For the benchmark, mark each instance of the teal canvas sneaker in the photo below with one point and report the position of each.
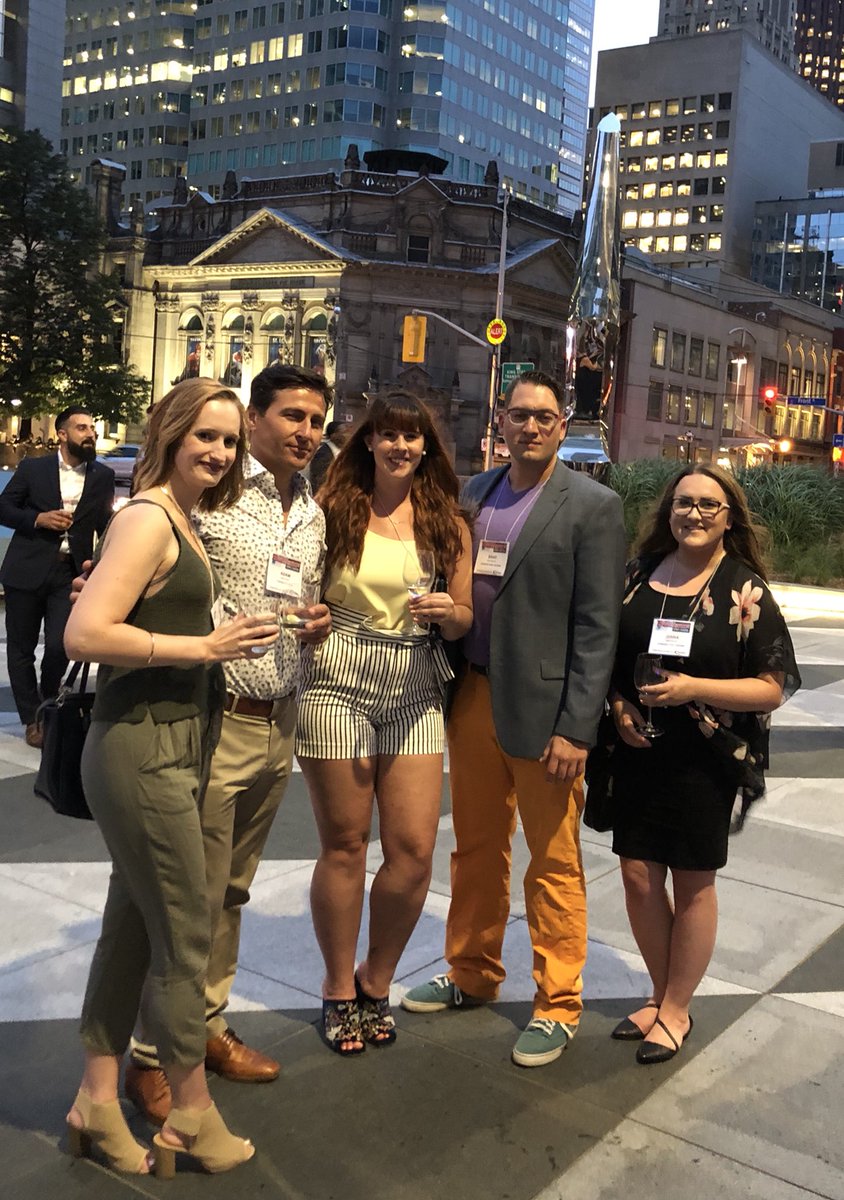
(437, 994)
(542, 1041)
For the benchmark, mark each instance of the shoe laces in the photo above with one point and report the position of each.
(443, 982)
(547, 1026)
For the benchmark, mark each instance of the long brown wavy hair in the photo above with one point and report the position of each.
(346, 495)
(172, 418)
(741, 540)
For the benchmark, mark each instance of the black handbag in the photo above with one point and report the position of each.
(599, 810)
(64, 725)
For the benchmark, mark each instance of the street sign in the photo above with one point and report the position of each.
(496, 332)
(511, 371)
(808, 401)
(838, 440)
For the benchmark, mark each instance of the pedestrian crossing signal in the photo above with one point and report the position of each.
(413, 339)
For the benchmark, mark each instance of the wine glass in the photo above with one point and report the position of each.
(648, 670)
(419, 571)
(264, 608)
(291, 608)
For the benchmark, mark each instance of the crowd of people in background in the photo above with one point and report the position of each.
(240, 615)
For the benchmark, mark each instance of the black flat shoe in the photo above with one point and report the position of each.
(650, 1053)
(629, 1031)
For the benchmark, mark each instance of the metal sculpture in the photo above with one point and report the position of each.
(593, 324)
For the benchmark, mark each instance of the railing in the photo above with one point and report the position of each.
(288, 186)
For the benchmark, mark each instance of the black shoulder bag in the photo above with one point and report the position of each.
(64, 722)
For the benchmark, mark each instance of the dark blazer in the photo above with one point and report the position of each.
(555, 618)
(34, 488)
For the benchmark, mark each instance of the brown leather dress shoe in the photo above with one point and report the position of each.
(227, 1055)
(149, 1091)
(34, 736)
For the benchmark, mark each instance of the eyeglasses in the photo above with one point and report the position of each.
(708, 509)
(545, 420)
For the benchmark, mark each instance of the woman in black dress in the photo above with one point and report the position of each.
(699, 562)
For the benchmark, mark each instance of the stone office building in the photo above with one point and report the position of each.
(322, 269)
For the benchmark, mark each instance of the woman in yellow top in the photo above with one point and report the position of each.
(370, 706)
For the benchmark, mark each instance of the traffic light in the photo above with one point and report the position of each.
(413, 339)
(768, 396)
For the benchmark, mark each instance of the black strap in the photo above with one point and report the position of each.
(72, 676)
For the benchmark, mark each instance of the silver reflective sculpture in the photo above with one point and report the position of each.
(592, 327)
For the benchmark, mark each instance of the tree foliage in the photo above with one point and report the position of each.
(57, 309)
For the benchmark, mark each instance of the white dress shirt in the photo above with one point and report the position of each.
(71, 485)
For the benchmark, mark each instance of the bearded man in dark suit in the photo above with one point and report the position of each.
(55, 504)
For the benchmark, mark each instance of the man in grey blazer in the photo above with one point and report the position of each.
(547, 586)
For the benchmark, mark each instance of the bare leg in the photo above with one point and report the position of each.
(651, 920)
(692, 943)
(341, 792)
(408, 789)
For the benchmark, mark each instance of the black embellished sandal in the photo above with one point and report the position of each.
(341, 1023)
(377, 1022)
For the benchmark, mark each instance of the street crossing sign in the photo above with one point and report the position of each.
(511, 371)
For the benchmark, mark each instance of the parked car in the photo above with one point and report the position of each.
(122, 460)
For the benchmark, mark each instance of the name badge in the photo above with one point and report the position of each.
(218, 613)
(284, 576)
(492, 558)
(671, 637)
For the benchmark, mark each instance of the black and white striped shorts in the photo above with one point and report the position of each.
(364, 693)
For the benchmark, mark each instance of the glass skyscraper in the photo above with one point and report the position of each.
(171, 87)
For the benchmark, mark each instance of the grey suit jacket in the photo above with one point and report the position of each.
(555, 618)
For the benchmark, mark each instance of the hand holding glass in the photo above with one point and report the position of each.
(648, 670)
(265, 609)
(291, 609)
(419, 571)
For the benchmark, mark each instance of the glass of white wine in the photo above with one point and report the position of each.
(419, 572)
(264, 608)
(291, 609)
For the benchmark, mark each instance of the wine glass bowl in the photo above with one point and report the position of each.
(419, 572)
(291, 608)
(648, 671)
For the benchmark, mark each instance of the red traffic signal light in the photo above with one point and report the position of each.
(769, 398)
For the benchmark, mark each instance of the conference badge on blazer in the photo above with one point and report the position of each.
(491, 558)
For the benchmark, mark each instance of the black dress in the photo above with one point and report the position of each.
(674, 801)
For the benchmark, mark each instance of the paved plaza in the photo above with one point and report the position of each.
(752, 1107)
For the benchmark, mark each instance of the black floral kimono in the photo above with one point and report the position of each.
(688, 781)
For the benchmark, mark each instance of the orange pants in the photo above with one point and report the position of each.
(487, 787)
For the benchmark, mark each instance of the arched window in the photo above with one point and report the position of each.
(190, 323)
(233, 324)
(274, 325)
(316, 343)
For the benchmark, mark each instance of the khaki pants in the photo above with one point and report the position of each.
(487, 788)
(142, 783)
(250, 771)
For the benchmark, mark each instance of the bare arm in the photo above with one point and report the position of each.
(760, 693)
(138, 548)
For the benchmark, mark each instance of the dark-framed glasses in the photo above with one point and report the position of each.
(708, 508)
(545, 419)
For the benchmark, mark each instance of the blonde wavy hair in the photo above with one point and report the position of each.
(172, 418)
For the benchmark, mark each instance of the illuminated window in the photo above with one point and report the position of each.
(653, 137)
(637, 111)
(221, 60)
(687, 159)
(652, 164)
(666, 189)
(704, 159)
(672, 108)
(655, 108)
(699, 214)
(684, 187)
(631, 192)
(716, 212)
(646, 244)
(669, 162)
(256, 52)
(663, 217)
(634, 165)
(648, 191)
(720, 158)
(646, 218)
(275, 47)
(713, 241)
(636, 137)
(680, 242)
(696, 242)
(681, 216)
(628, 220)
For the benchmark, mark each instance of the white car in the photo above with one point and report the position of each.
(122, 460)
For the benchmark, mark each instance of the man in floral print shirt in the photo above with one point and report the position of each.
(275, 517)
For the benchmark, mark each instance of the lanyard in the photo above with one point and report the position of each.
(523, 512)
(699, 595)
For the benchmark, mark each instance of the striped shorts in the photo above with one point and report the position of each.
(365, 693)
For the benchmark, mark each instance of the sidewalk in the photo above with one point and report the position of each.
(750, 1108)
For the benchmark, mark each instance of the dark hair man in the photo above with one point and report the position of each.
(55, 504)
(546, 594)
(336, 435)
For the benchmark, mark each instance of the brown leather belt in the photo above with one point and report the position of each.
(247, 707)
(478, 669)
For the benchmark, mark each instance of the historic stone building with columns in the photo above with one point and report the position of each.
(322, 269)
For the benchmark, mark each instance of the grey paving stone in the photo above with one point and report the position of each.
(821, 971)
(768, 1093)
(637, 1161)
(806, 753)
(787, 859)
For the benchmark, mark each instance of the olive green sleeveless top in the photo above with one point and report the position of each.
(182, 606)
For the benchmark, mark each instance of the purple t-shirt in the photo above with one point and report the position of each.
(501, 519)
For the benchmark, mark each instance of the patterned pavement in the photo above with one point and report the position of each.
(750, 1108)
